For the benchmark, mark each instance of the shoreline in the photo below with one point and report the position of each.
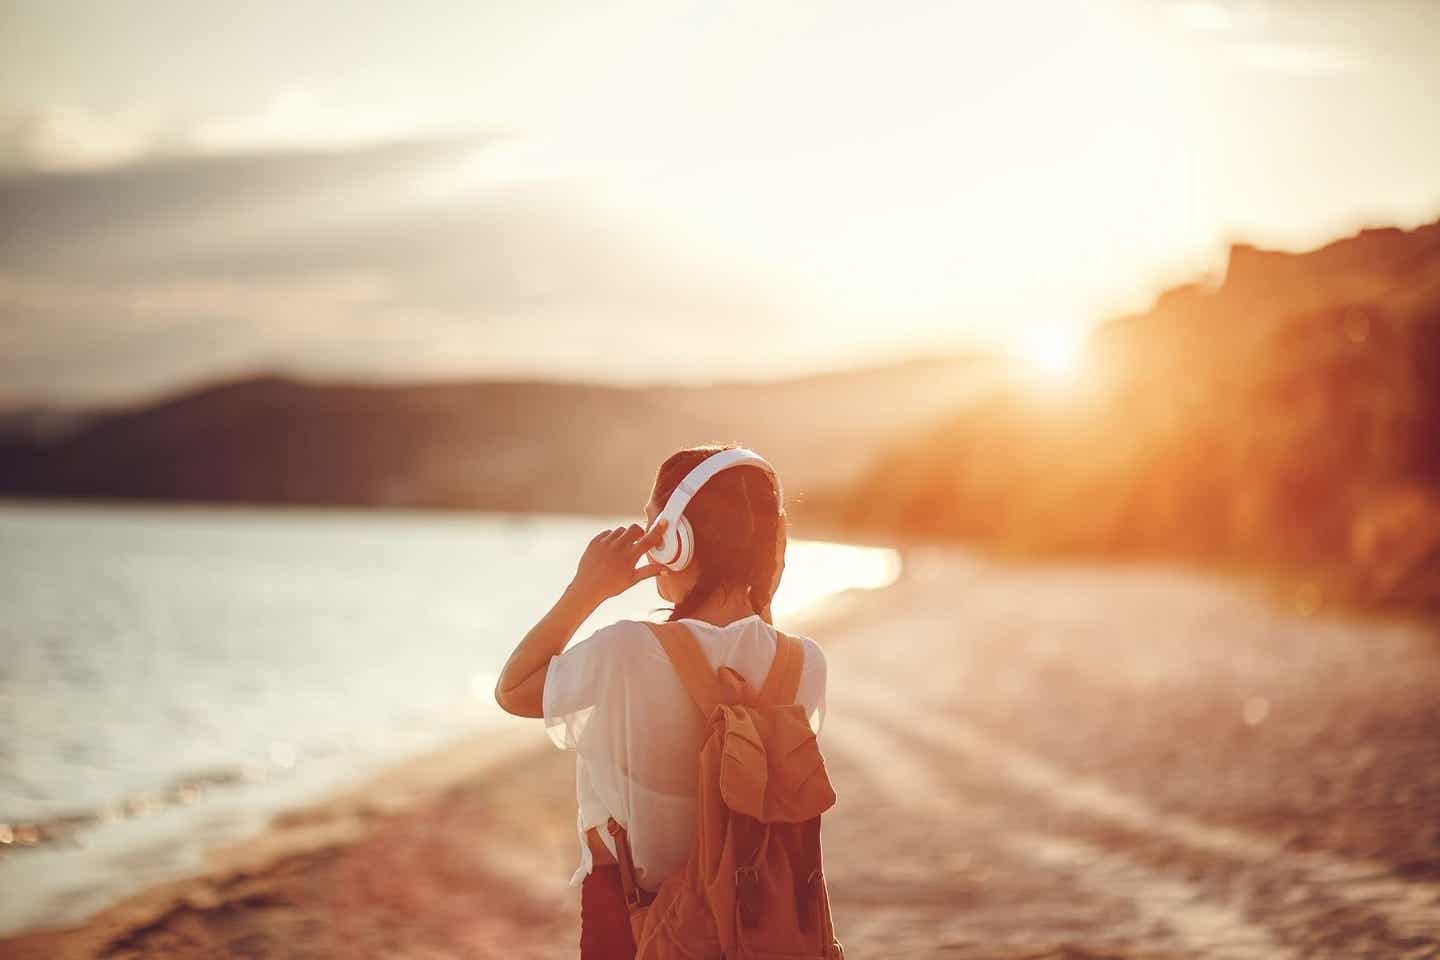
(344, 816)
(1074, 761)
(340, 817)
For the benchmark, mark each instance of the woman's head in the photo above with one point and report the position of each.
(739, 534)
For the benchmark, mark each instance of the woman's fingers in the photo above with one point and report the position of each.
(636, 538)
(645, 572)
(651, 538)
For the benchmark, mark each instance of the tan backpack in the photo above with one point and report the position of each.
(752, 886)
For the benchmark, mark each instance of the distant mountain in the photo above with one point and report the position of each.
(512, 445)
(1288, 416)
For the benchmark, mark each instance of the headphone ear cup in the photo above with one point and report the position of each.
(685, 534)
(673, 551)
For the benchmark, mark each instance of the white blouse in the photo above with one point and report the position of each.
(617, 702)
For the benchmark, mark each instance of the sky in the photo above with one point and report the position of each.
(650, 192)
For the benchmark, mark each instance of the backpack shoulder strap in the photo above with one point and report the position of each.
(783, 680)
(690, 662)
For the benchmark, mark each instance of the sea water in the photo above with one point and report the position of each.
(172, 676)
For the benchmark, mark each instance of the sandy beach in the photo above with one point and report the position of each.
(1065, 761)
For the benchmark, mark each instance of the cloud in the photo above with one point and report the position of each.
(428, 255)
(1300, 41)
(298, 119)
(1296, 60)
(62, 138)
(66, 139)
(143, 215)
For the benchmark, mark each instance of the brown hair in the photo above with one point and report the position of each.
(737, 524)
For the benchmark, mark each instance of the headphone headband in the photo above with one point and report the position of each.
(675, 549)
(711, 465)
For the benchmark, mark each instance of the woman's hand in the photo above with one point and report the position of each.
(607, 568)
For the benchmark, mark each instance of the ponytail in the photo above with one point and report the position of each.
(765, 512)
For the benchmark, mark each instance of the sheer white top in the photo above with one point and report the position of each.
(617, 702)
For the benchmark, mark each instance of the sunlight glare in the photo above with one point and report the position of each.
(814, 567)
(1056, 354)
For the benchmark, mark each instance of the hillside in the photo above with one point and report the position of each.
(1285, 418)
(1288, 417)
(511, 445)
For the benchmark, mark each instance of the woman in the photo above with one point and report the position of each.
(617, 702)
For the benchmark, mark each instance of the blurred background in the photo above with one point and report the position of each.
(1100, 341)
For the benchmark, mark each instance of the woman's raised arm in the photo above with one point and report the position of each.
(607, 568)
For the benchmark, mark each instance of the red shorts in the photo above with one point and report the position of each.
(604, 918)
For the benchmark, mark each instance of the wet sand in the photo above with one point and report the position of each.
(1061, 762)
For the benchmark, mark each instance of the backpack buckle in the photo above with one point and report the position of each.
(806, 899)
(747, 894)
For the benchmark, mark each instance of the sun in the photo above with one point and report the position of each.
(1056, 358)
(1054, 353)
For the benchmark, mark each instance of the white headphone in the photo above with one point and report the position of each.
(677, 546)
